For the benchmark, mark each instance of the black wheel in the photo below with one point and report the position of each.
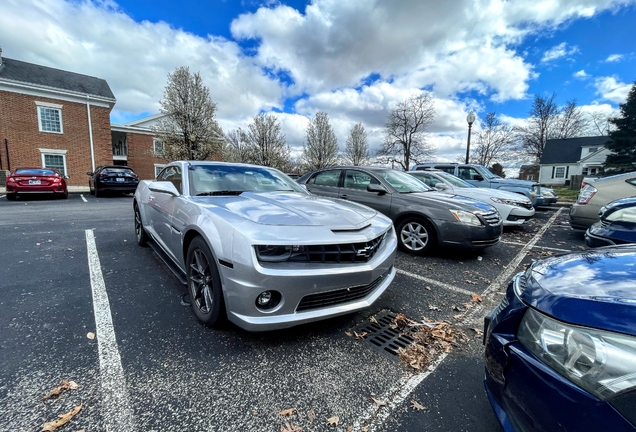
(204, 284)
(416, 235)
(140, 232)
(90, 189)
(95, 192)
(11, 196)
(64, 195)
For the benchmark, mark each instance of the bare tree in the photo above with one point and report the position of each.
(492, 141)
(266, 142)
(236, 147)
(405, 131)
(321, 148)
(189, 129)
(357, 147)
(599, 123)
(548, 121)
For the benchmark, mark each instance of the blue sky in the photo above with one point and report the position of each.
(352, 59)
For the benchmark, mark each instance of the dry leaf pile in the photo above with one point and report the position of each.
(62, 418)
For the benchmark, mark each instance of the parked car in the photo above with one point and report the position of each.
(480, 176)
(549, 196)
(112, 178)
(561, 346)
(617, 224)
(29, 180)
(514, 208)
(253, 245)
(424, 219)
(597, 193)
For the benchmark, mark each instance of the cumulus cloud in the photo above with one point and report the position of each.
(614, 58)
(609, 88)
(559, 51)
(580, 74)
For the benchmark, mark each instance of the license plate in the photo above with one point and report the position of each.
(35, 182)
(119, 179)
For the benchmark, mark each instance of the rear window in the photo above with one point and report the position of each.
(35, 171)
(126, 171)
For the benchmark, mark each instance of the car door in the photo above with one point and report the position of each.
(162, 206)
(325, 183)
(354, 189)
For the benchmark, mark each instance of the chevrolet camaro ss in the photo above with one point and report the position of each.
(254, 246)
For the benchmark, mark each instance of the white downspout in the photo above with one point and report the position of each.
(90, 133)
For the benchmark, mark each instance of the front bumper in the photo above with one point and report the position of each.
(296, 281)
(462, 235)
(526, 394)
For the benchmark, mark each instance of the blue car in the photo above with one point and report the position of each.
(617, 224)
(561, 346)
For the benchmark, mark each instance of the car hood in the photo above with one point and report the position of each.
(512, 182)
(292, 209)
(486, 194)
(594, 288)
(455, 201)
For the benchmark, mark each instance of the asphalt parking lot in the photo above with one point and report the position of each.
(71, 268)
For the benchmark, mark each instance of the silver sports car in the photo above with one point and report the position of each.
(254, 246)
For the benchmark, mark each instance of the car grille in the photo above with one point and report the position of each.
(491, 218)
(338, 253)
(346, 295)
(525, 205)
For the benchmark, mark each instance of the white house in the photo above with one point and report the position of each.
(563, 158)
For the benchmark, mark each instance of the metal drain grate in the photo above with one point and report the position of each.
(382, 338)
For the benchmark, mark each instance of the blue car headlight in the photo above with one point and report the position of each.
(601, 362)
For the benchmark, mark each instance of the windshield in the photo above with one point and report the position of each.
(404, 183)
(233, 179)
(488, 175)
(455, 181)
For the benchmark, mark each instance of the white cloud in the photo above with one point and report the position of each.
(580, 74)
(612, 90)
(614, 58)
(558, 51)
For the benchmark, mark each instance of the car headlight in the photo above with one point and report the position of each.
(466, 217)
(276, 253)
(601, 362)
(510, 202)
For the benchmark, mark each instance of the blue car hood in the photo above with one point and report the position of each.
(594, 288)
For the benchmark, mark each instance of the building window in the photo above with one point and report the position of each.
(592, 149)
(50, 117)
(158, 169)
(157, 147)
(530, 177)
(52, 158)
(559, 172)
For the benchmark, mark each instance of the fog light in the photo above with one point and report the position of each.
(264, 298)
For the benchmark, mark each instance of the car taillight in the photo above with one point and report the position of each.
(57, 180)
(586, 194)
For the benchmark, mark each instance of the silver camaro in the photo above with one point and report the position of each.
(255, 247)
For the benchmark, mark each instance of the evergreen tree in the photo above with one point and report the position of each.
(623, 138)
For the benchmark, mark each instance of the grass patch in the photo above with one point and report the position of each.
(566, 194)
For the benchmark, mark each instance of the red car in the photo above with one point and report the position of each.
(36, 180)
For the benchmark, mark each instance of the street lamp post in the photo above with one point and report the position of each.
(470, 119)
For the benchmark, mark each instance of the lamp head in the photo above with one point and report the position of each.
(471, 117)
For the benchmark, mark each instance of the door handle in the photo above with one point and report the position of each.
(343, 196)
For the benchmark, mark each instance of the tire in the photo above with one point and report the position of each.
(64, 195)
(90, 189)
(416, 236)
(95, 192)
(140, 232)
(204, 284)
(12, 196)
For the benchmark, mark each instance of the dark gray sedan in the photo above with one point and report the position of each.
(422, 217)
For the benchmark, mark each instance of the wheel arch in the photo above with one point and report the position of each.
(427, 218)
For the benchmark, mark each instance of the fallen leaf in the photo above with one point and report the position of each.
(349, 428)
(468, 281)
(90, 335)
(348, 333)
(458, 316)
(333, 421)
(476, 297)
(364, 429)
(287, 412)
(360, 335)
(73, 385)
(64, 385)
(378, 402)
(428, 288)
(373, 320)
(433, 307)
(311, 415)
(290, 427)
(416, 406)
(62, 420)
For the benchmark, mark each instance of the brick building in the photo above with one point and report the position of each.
(60, 119)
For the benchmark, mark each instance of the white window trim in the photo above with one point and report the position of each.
(50, 106)
(44, 152)
(556, 171)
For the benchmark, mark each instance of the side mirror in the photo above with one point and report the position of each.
(478, 178)
(379, 189)
(165, 187)
(441, 186)
(90, 173)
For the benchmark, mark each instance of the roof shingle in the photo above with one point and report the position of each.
(568, 151)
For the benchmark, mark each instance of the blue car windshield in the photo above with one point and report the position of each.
(230, 179)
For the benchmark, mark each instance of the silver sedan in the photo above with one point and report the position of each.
(255, 247)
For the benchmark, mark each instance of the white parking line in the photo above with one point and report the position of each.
(116, 411)
(83, 199)
(434, 282)
(2, 196)
(538, 247)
